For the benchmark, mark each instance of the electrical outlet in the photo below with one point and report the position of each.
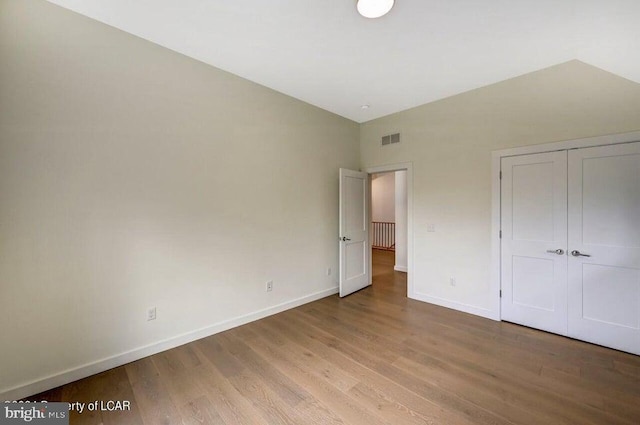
(151, 314)
(431, 227)
(452, 281)
(270, 286)
(328, 271)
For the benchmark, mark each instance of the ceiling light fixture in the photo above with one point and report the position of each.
(365, 106)
(374, 8)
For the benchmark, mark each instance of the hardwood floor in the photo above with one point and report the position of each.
(372, 358)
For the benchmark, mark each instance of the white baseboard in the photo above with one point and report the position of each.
(455, 305)
(400, 268)
(88, 369)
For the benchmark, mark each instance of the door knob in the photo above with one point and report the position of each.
(558, 251)
(577, 253)
(344, 239)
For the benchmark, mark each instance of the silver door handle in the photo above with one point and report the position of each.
(344, 239)
(558, 251)
(577, 253)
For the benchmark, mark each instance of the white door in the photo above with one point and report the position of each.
(604, 242)
(354, 231)
(534, 240)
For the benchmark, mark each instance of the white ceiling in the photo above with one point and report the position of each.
(323, 52)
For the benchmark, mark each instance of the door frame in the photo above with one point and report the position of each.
(496, 157)
(408, 167)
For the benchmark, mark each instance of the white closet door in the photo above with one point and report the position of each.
(534, 240)
(604, 224)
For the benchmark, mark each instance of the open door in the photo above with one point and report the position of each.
(354, 231)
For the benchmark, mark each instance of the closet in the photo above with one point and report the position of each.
(570, 245)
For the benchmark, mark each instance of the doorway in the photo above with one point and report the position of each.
(388, 234)
(391, 269)
(355, 259)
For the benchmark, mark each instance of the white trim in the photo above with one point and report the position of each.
(455, 305)
(70, 375)
(496, 156)
(589, 142)
(400, 269)
(408, 166)
(494, 284)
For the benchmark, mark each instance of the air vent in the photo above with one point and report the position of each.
(390, 139)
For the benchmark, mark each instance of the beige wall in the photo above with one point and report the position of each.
(401, 220)
(131, 177)
(383, 200)
(450, 144)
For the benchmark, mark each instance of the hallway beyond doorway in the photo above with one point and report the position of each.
(385, 278)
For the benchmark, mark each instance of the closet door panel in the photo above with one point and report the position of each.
(604, 245)
(534, 231)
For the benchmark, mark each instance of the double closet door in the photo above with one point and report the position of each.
(570, 251)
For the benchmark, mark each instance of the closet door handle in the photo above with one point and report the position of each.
(558, 251)
(577, 253)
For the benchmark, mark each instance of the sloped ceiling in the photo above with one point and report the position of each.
(324, 53)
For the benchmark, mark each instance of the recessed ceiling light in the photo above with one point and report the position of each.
(365, 107)
(374, 8)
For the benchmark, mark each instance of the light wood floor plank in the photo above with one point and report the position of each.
(373, 358)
